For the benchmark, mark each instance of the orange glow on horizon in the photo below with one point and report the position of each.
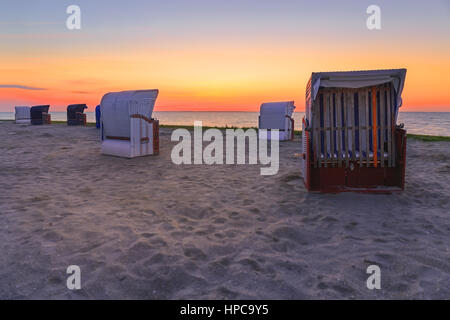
(211, 79)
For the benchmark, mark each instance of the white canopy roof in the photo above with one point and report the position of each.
(272, 115)
(116, 108)
(285, 108)
(359, 79)
(22, 108)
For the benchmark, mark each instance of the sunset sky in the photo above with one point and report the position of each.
(216, 55)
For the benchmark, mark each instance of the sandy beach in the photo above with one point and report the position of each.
(149, 229)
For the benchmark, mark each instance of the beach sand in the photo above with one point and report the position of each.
(146, 228)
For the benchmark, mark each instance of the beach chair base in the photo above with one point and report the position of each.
(137, 146)
(356, 178)
(79, 121)
(46, 119)
(282, 135)
(23, 121)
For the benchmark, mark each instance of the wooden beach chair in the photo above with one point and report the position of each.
(128, 129)
(40, 115)
(76, 115)
(22, 115)
(351, 140)
(277, 115)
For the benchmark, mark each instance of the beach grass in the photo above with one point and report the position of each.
(421, 137)
(427, 138)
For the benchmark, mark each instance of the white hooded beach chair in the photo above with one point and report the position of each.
(277, 115)
(127, 127)
(23, 115)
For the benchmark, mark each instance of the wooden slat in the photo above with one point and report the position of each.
(366, 107)
(345, 107)
(374, 127)
(319, 140)
(393, 104)
(315, 126)
(326, 98)
(389, 126)
(382, 106)
(339, 126)
(360, 113)
(353, 123)
(332, 130)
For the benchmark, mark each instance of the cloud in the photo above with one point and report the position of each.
(81, 92)
(17, 86)
(27, 24)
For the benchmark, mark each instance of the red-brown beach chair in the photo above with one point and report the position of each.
(351, 140)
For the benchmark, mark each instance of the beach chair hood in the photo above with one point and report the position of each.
(273, 114)
(38, 110)
(359, 79)
(74, 108)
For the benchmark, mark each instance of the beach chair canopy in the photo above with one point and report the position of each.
(22, 113)
(355, 80)
(73, 109)
(273, 114)
(117, 107)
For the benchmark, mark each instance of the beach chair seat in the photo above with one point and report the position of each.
(350, 136)
(22, 115)
(40, 115)
(76, 115)
(128, 130)
(277, 116)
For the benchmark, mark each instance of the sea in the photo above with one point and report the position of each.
(427, 123)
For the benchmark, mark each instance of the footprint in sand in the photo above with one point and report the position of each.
(195, 254)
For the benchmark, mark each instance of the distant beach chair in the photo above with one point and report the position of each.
(97, 116)
(76, 115)
(40, 115)
(128, 129)
(277, 115)
(23, 115)
(350, 138)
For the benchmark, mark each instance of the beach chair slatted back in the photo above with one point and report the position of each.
(354, 126)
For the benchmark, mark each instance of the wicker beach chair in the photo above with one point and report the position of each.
(128, 129)
(97, 116)
(22, 115)
(277, 115)
(40, 115)
(76, 115)
(351, 141)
